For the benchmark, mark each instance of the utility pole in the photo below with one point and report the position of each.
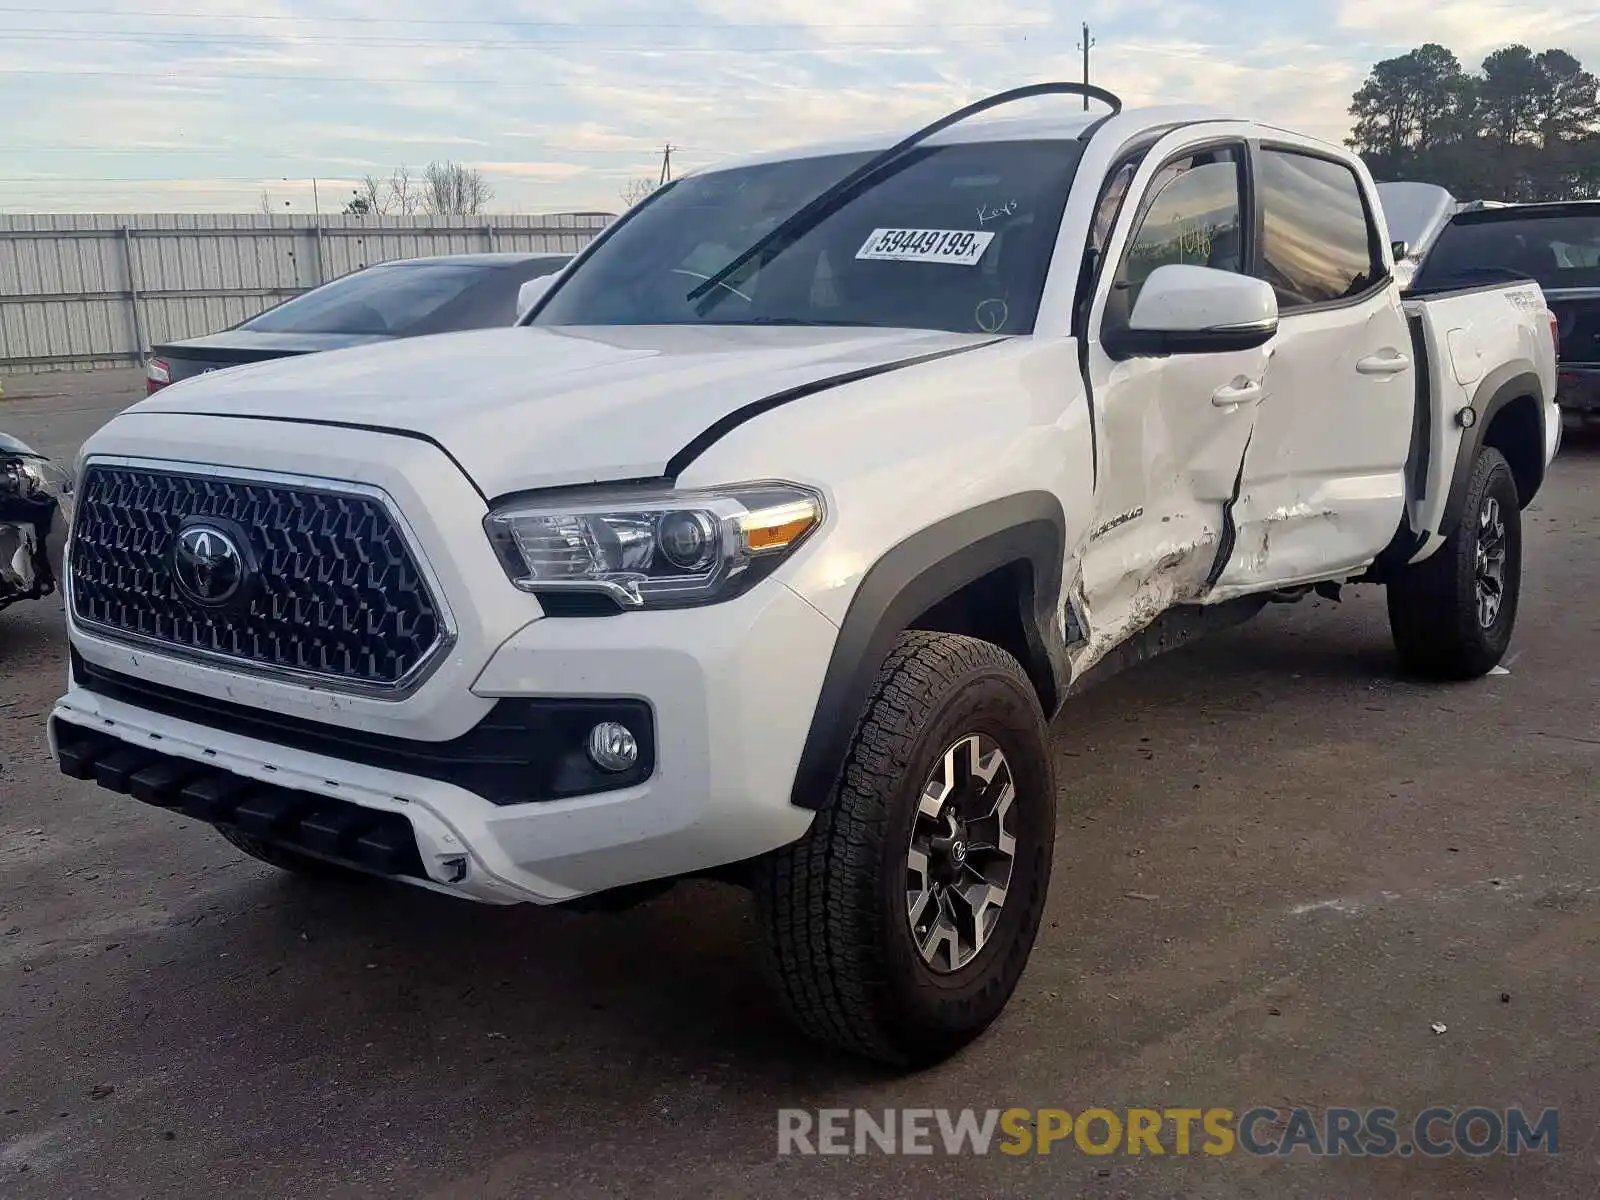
(666, 165)
(316, 205)
(1086, 45)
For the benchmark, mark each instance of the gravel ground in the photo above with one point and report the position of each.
(1278, 866)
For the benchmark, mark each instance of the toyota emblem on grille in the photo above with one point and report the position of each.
(207, 564)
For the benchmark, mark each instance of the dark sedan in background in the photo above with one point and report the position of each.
(406, 298)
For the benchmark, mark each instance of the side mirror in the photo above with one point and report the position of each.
(1200, 310)
(528, 294)
(1400, 250)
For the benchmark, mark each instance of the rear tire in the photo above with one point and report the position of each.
(292, 861)
(1453, 613)
(939, 835)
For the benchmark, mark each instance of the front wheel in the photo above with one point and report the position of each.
(898, 927)
(1452, 614)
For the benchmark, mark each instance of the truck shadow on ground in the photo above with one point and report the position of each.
(251, 1006)
(273, 974)
(32, 631)
(1580, 443)
(388, 975)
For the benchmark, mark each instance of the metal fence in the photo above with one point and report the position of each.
(78, 292)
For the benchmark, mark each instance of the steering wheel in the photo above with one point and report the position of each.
(723, 284)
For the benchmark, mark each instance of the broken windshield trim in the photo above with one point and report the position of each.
(715, 287)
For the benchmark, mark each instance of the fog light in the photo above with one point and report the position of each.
(612, 746)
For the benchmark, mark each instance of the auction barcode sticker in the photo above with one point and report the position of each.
(962, 247)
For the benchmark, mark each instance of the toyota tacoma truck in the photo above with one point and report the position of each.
(769, 542)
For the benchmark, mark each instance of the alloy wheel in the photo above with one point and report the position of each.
(961, 854)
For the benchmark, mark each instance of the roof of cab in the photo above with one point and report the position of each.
(986, 128)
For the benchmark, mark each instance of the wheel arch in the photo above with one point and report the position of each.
(993, 572)
(1517, 431)
(1507, 416)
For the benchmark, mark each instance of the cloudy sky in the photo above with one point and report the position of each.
(196, 105)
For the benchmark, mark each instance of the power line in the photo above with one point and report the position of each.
(491, 81)
(305, 79)
(231, 18)
(178, 81)
(338, 174)
(277, 177)
(224, 151)
(312, 76)
(190, 39)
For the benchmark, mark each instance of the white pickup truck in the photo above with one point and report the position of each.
(767, 546)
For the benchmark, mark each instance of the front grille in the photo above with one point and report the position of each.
(336, 593)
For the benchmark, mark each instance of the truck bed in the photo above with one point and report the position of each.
(1556, 245)
(1477, 347)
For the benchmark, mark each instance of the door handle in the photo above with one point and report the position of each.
(1240, 391)
(1391, 363)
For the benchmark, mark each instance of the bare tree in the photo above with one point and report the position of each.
(405, 194)
(375, 197)
(454, 189)
(265, 202)
(636, 189)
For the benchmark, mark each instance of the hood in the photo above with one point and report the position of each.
(234, 344)
(16, 446)
(1415, 212)
(530, 407)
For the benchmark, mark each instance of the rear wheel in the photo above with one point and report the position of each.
(898, 927)
(1453, 613)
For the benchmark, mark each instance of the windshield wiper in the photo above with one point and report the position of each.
(803, 219)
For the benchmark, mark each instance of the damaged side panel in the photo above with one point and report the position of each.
(1324, 483)
(1172, 462)
(1309, 540)
(1138, 594)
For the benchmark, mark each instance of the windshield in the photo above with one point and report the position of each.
(949, 237)
(1558, 249)
(391, 300)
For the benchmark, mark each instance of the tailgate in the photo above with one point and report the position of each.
(1578, 320)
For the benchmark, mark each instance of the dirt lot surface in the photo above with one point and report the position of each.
(1278, 866)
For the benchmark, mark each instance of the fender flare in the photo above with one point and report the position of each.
(927, 567)
(1498, 389)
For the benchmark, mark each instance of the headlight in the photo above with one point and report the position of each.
(653, 549)
(21, 477)
(35, 479)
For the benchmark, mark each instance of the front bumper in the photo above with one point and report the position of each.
(731, 687)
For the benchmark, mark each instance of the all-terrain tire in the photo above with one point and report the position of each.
(834, 908)
(1436, 610)
(285, 859)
